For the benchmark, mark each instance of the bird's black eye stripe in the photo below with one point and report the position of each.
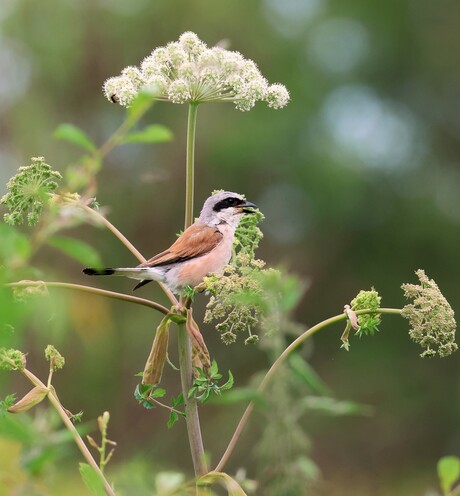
(228, 202)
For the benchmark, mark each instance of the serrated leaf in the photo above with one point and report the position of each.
(157, 393)
(178, 401)
(155, 133)
(229, 383)
(92, 480)
(76, 249)
(448, 472)
(214, 368)
(73, 134)
(232, 487)
(173, 418)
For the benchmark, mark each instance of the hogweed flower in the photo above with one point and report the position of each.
(430, 316)
(187, 71)
(29, 191)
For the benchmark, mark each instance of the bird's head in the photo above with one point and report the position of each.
(225, 207)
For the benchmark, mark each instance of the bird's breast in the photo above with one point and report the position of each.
(193, 271)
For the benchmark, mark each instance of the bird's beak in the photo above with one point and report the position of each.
(248, 207)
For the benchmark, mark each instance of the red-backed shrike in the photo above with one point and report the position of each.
(205, 247)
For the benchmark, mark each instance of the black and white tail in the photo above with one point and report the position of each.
(143, 274)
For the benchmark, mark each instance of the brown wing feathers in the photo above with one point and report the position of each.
(195, 241)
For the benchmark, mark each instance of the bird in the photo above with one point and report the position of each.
(203, 248)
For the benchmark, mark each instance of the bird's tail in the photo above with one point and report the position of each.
(143, 274)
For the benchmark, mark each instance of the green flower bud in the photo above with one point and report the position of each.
(53, 356)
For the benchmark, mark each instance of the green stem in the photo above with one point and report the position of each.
(190, 164)
(54, 400)
(263, 385)
(191, 410)
(96, 291)
(185, 349)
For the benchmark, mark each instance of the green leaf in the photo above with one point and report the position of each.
(229, 383)
(14, 245)
(178, 401)
(214, 368)
(307, 375)
(140, 105)
(154, 133)
(173, 418)
(448, 472)
(69, 132)
(239, 395)
(157, 393)
(79, 250)
(330, 406)
(92, 480)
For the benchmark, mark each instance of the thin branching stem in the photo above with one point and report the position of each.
(54, 400)
(96, 291)
(273, 369)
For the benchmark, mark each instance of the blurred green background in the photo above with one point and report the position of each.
(358, 178)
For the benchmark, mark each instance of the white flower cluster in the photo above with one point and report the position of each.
(188, 71)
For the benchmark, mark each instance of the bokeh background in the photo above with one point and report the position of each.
(359, 181)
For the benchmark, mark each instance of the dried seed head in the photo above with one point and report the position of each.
(430, 316)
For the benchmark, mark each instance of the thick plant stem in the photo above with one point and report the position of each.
(185, 349)
(54, 400)
(263, 385)
(191, 410)
(190, 164)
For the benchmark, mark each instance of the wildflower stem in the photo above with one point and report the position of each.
(190, 164)
(273, 369)
(191, 410)
(96, 291)
(54, 400)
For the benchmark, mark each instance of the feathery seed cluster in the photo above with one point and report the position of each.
(29, 190)
(188, 71)
(430, 316)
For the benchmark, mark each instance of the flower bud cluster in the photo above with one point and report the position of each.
(29, 190)
(187, 71)
(11, 359)
(430, 316)
(368, 322)
(236, 296)
(57, 361)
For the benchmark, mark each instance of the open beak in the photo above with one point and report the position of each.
(248, 207)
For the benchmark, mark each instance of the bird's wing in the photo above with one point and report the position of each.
(195, 241)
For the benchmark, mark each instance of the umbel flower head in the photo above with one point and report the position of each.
(188, 71)
(430, 316)
(29, 190)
